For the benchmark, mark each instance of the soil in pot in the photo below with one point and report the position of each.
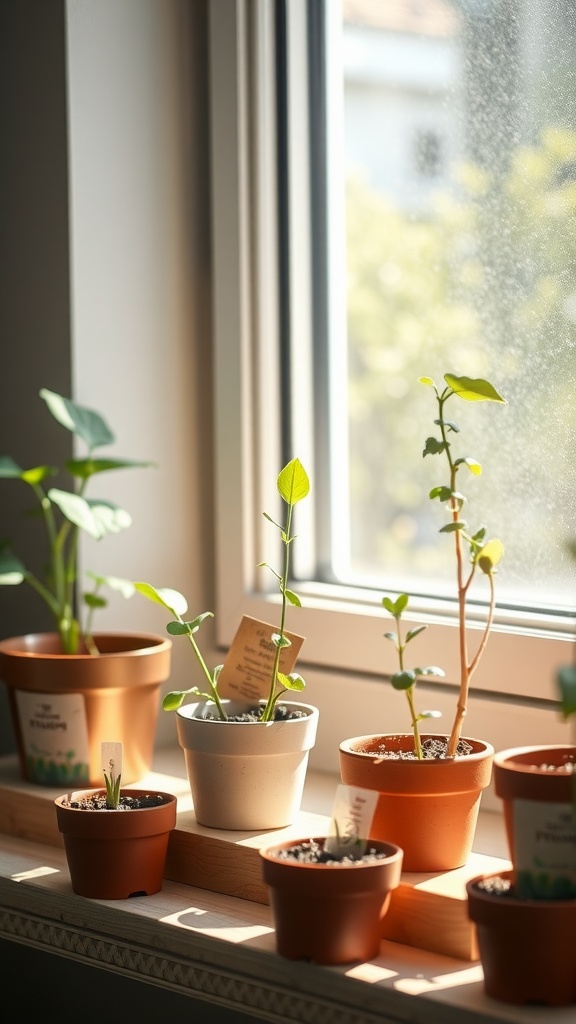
(428, 807)
(526, 945)
(325, 909)
(116, 854)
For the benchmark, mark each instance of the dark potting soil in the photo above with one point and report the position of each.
(433, 749)
(495, 886)
(311, 852)
(281, 714)
(97, 802)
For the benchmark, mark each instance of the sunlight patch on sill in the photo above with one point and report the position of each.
(456, 979)
(39, 872)
(371, 973)
(218, 925)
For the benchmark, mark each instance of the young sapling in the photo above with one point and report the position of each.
(405, 679)
(293, 485)
(483, 555)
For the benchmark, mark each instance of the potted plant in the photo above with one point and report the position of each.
(532, 907)
(69, 688)
(115, 842)
(246, 754)
(430, 786)
(329, 894)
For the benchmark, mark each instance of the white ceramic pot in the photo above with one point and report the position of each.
(246, 775)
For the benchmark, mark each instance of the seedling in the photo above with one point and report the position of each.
(112, 757)
(483, 555)
(64, 514)
(406, 678)
(293, 485)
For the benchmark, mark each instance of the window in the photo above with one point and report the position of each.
(275, 221)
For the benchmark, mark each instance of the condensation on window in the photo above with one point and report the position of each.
(461, 258)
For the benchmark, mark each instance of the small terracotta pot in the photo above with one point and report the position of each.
(246, 775)
(539, 817)
(526, 947)
(429, 808)
(64, 706)
(116, 854)
(330, 913)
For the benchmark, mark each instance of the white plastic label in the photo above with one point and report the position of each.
(55, 737)
(351, 821)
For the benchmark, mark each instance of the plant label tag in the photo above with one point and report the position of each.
(247, 669)
(111, 758)
(545, 849)
(54, 736)
(351, 822)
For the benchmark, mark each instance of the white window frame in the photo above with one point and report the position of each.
(343, 626)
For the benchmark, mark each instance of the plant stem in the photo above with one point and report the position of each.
(268, 713)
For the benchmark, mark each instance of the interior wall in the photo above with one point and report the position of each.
(105, 283)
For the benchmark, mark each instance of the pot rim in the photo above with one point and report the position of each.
(515, 901)
(269, 853)
(16, 646)
(186, 712)
(484, 748)
(506, 759)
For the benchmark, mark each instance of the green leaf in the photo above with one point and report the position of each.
(473, 389)
(414, 632)
(173, 600)
(95, 601)
(122, 586)
(489, 556)
(392, 636)
(85, 468)
(566, 679)
(183, 628)
(35, 475)
(293, 598)
(453, 527)
(293, 483)
(291, 682)
(83, 422)
(430, 670)
(472, 465)
(442, 492)
(172, 701)
(12, 571)
(428, 381)
(429, 714)
(9, 468)
(433, 446)
(96, 518)
(395, 608)
(403, 680)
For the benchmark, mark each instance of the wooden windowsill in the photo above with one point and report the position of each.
(221, 949)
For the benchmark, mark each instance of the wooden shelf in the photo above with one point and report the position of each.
(428, 911)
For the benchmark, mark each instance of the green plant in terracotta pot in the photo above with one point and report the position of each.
(68, 686)
(116, 841)
(451, 769)
(240, 714)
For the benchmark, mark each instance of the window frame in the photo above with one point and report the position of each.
(343, 626)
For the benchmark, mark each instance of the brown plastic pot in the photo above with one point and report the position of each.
(538, 804)
(64, 706)
(429, 808)
(330, 913)
(113, 855)
(527, 947)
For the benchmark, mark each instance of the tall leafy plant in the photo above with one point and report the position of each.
(474, 554)
(64, 513)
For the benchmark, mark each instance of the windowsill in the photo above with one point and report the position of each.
(221, 949)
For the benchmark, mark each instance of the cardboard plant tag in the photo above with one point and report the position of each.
(247, 669)
(351, 821)
(111, 758)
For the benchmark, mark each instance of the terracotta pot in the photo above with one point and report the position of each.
(539, 816)
(64, 706)
(330, 913)
(526, 947)
(116, 854)
(245, 775)
(429, 808)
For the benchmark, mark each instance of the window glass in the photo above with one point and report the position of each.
(457, 142)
